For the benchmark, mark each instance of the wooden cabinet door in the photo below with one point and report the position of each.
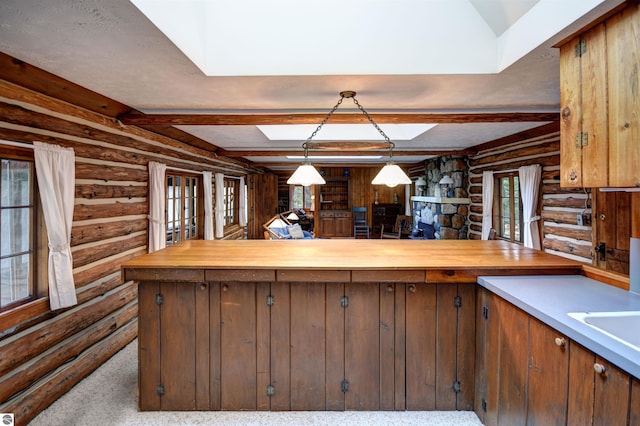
(611, 395)
(512, 369)
(487, 357)
(623, 62)
(362, 347)
(420, 346)
(548, 375)
(238, 357)
(583, 104)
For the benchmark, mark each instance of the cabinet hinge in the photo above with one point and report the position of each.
(270, 300)
(485, 312)
(456, 386)
(457, 301)
(582, 139)
(159, 299)
(344, 386)
(160, 390)
(270, 390)
(484, 405)
(344, 302)
(581, 48)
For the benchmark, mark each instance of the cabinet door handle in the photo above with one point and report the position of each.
(560, 342)
(599, 368)
(412, 288)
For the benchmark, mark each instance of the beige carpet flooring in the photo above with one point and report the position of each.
(109, 397)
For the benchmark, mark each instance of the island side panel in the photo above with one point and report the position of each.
(148, 346)
(281, 346)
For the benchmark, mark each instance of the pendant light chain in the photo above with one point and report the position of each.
(328, 116)
(373, 123)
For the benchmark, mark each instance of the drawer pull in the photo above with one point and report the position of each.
(412, 288)
(560, 342)
(599, 368)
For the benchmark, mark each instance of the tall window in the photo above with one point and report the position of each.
(231, 201)
(19, 218)
(184, 207)
(301, 197)
(508, 207)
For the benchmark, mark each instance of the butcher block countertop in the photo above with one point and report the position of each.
(468, 257)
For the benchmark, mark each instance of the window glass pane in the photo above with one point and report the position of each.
(16, 183)
(308, 201)
(16, 231)
(504, 187)
(298, 197)
(14, 279)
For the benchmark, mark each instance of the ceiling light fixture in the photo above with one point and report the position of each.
(391, 174)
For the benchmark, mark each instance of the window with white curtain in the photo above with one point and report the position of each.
(19, 223)
(184, 207)
(507, 207)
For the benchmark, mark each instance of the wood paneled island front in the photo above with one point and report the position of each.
(316, 324)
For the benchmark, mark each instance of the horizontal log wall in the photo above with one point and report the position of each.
(562, 235)
(45, 353)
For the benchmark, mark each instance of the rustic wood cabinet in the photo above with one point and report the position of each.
(334, 210)
(335, 224)
(600, 104)
(528, 373)
(305, 345)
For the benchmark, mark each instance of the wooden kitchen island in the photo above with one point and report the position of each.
(316, 324)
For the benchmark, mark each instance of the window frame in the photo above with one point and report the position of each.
(198, 217)
(38, 281)
(231, 202)
(497, 207)
(307, 197)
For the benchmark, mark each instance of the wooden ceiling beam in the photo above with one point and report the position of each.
(273, 153)
(137, 119)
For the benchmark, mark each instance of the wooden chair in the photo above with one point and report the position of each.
(402, 227)
(360, 225)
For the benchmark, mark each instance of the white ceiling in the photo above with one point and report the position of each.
(287, 56)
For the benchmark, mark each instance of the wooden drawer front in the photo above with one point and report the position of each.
(342, 214)
(327, 214)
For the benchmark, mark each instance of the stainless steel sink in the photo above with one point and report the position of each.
(623, 326)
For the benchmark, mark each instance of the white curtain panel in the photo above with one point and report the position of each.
(55, 169)
(487, 203)
(208, 205)
(530, 177)
(242, 219)
(157, 225)
(219, 205)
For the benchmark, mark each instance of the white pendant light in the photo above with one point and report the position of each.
(306, 175)
(390, 175)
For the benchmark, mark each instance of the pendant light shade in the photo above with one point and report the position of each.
(391, 175)
(306, 175)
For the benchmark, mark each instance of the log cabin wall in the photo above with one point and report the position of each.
(562, 235)
(45, 353)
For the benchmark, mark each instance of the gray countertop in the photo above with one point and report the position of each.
(550, 298)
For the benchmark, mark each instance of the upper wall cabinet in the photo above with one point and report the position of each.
(600, 104)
